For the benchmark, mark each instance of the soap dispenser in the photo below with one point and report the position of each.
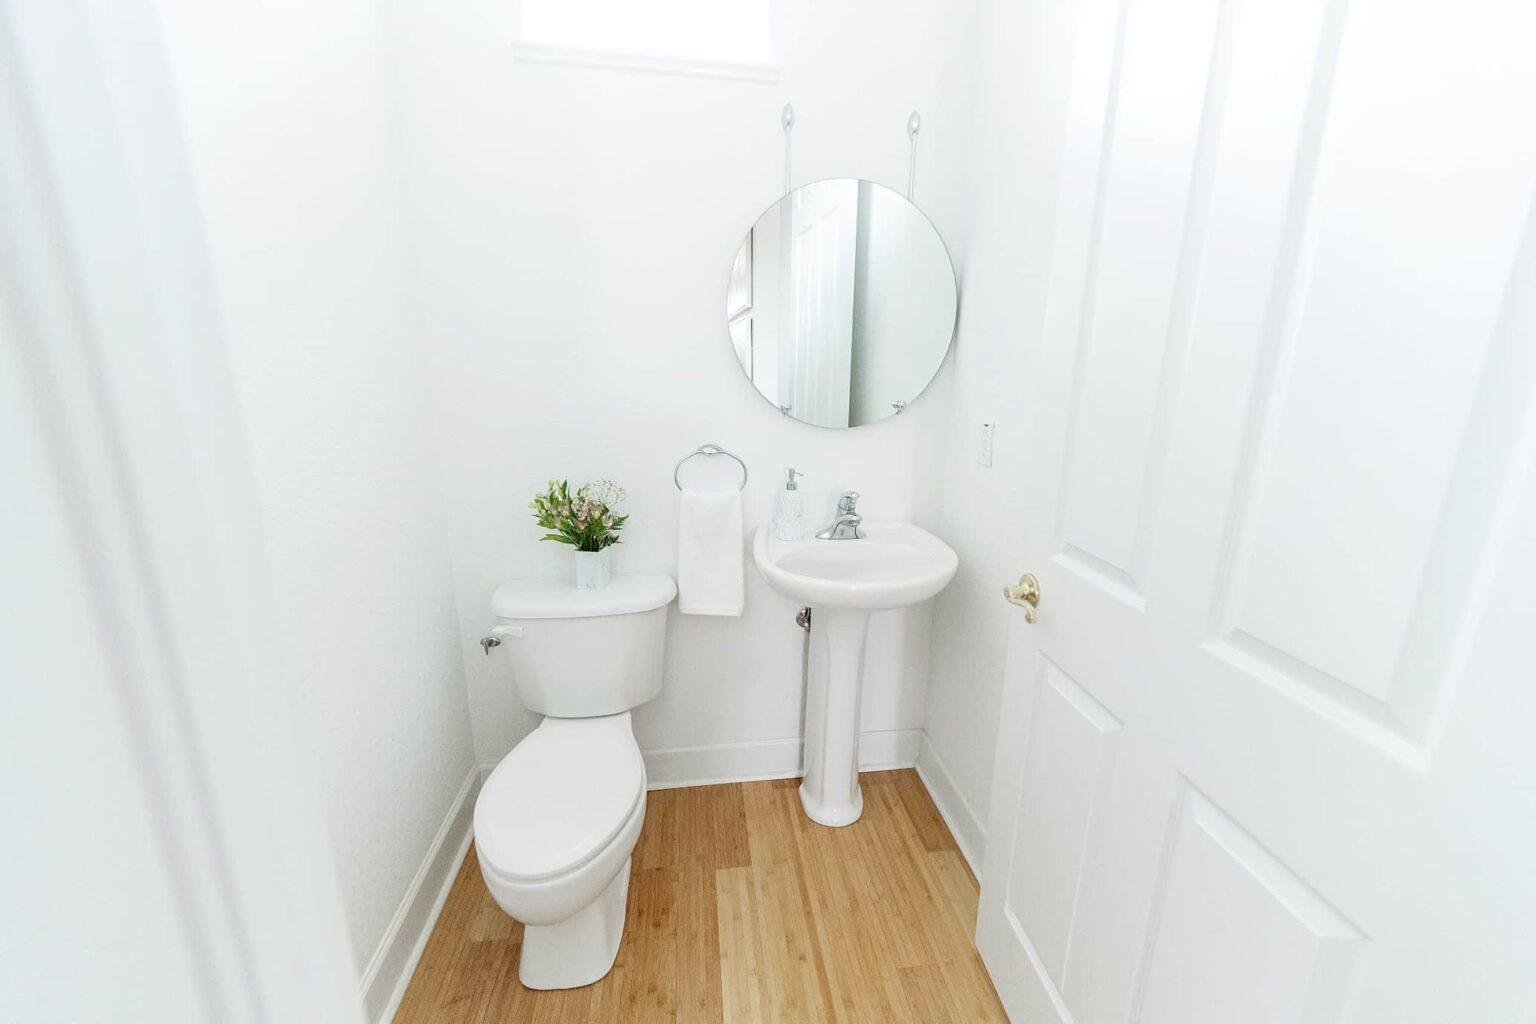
(788, 517)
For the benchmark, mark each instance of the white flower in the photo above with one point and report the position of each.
(605, 492)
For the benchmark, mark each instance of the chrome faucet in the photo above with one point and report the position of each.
(848, 524)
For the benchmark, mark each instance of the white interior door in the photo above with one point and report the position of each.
(1267, 755)
(165, 856)
(822, 249)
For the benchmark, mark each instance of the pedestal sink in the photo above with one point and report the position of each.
(895, 565)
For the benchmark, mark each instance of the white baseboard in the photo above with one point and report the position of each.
(755, 760)
(752, 761)
(767, 759)
(389, 972)
(968, 829)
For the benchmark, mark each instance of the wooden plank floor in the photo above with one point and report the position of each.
(741, 909)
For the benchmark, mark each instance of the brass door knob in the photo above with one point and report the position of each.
(1025, 593)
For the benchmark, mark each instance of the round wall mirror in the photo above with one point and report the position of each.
(841, 303)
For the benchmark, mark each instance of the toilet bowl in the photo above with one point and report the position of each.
(554, 827)
(557, 820)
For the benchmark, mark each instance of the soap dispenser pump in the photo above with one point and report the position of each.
(788, 518)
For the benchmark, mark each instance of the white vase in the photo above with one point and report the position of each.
(593, 569)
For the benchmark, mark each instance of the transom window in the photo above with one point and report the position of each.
(728, 31)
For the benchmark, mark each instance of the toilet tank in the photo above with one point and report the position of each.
(584, 653)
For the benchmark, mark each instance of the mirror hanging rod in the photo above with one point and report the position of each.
(914, 125)
(787, 121)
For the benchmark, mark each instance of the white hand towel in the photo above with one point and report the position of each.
(709, 553)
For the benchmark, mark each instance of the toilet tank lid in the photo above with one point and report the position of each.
(556, 597)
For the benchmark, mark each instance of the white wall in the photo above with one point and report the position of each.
(1020, 111)
(576, 228)
(285, 108)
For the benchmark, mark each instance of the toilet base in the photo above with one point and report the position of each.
(580, 949)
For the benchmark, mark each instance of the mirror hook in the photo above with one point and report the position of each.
(787, 122)
(914, 125)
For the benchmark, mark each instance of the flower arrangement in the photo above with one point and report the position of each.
(586, 520)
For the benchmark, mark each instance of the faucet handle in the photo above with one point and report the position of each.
(848, 502)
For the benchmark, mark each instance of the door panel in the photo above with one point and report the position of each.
(1377, 341)
(1069, 741)
(822, 272)
(1284, 417)
(1236, 936)
(1137, 226)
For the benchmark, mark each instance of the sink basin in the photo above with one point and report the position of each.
(842, 581)
(896, 565)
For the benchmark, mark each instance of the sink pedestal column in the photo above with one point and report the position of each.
(834, 675)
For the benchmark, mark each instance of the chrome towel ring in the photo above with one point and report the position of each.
(709, 449)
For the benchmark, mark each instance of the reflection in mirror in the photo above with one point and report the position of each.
(841, 303)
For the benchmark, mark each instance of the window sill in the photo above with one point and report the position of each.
(618, 60)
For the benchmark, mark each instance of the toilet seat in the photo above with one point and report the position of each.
(559, 798)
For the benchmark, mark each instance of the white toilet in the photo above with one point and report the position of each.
(557, 819)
